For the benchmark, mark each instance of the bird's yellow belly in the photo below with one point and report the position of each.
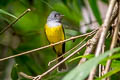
(55, 34)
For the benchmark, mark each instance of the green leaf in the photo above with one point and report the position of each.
(115, 63)
(109, 73)
(117, 55)
(95, 10)
(78, 57)
(81, 71)
(6, 13)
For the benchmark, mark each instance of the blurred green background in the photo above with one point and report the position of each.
(28, 33)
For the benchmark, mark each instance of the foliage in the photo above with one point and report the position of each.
(82, 71)
(28, 33)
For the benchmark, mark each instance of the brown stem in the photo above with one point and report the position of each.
(106, 26)
(93, 32)
(30, 51)
(67, 51)
(54, 67)
(91, 45)
(25, 75)
(113, 44)
(7, 27)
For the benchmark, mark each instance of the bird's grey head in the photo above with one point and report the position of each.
(55, 16)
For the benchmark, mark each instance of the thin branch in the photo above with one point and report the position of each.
(106, 27)
(100, 70)
(101, 67)
(72, 48)
(91, 45)
(54, 67)
(25, 75)
(30, 51)
(114, 14)
(113, 44)
(7, 27)
(67, 51)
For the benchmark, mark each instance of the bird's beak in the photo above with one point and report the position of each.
(61, 15)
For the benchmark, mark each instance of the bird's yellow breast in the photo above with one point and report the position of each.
(55, 34)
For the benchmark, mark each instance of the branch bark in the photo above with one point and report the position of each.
(37, 49)
(106, 26)
(6, 28)
(25, 75)
(69, 50)
(91, 45)
(54, 67)
(113, 43)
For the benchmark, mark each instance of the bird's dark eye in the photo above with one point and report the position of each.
(56, 15)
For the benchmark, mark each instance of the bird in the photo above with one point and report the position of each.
(54, 32)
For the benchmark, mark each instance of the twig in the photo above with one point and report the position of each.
(25, 75)
(30, 51)
(113, 43)
(100, 70)
(68, 51)
(106, 26)
(71, 49)
(101, 67)
(114, 14)
(91, 45)
(7, 27)
(54, 67)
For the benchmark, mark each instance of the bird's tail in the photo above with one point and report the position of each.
(62, 67)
